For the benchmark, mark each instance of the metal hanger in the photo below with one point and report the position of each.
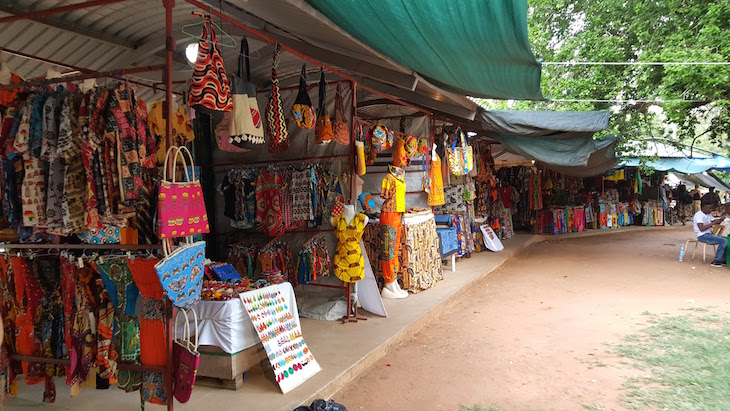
(219, 31)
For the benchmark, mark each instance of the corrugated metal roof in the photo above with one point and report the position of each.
(131, 34)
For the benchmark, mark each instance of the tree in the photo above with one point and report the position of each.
(637, 31)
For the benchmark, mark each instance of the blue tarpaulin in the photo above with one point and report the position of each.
(683, 165)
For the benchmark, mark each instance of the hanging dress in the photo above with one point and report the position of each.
(349, 262)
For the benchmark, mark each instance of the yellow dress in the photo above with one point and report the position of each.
(349, 263)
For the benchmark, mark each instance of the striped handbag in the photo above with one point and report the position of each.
(275, 118)
(210, 91)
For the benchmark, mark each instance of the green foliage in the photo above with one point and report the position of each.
(686, 363)
(643, 31)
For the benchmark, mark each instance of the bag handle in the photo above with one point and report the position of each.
(186, 334)
(241, 59)
(339, 104)
(322, 93)
(187, 337)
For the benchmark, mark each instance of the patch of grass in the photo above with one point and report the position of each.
(686, 359)
(594, 406)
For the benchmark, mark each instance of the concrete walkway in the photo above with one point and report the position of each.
(343, 350)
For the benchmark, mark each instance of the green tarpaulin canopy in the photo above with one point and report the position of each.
(475, 48)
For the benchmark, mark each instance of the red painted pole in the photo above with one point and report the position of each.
(56, 10)
(170, 49)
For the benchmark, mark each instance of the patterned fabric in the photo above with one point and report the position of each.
(33, 192)
(393, 191)
(83, 341)
(436, 191)
(535, 190)
(506, 222)
(453, 200)
(210, 88)
(268, 203)
(126, 326)
(301, 192)
(421, 258)
(348, 261)
(390, 238)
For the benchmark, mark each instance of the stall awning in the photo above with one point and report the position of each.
(556, 124)
(578, 157)
(475, 48)
(682, 165)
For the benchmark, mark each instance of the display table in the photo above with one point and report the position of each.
(229, 345)
(420, 259)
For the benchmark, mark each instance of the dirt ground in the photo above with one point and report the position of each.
(534, 334)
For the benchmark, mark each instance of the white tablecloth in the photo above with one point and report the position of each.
(226, 324)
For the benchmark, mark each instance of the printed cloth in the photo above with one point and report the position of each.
(421, 258)
(301, 193)
(33, 192)
(393, 191)
(453, 200)
(535, 190)
(123, 293)
(349, 262)
(391, 227)
(268, 203)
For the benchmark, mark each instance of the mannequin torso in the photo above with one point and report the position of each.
(349, 213)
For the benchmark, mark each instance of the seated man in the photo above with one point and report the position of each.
(703, 223)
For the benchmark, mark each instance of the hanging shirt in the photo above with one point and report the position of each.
(393, 191)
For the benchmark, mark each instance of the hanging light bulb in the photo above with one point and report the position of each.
(191, 52)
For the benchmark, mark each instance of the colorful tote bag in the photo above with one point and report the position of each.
(209, 90)
(180, 206)
(186, 358)
(340, 128)
(461, 159)
(181, 272)
(275, 119)
(323, 133)
(302, 112)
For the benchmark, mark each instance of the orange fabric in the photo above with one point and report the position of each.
(436, 193)
(145, 276)
(391, 225)
(7, 96)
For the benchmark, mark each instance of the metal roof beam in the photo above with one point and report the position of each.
(420, 100)
(56, 10)
(73, 29)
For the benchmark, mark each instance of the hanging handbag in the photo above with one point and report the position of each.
(302, 112)
(323, 133)
(340, 127)
(210, 91)
(275, 119)
(360, 161)
(461, 159)
(186, 358)
(180, 206)
(240, 115)
(254, 128)
(181, 272)
(246, 127)
(382, 139)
